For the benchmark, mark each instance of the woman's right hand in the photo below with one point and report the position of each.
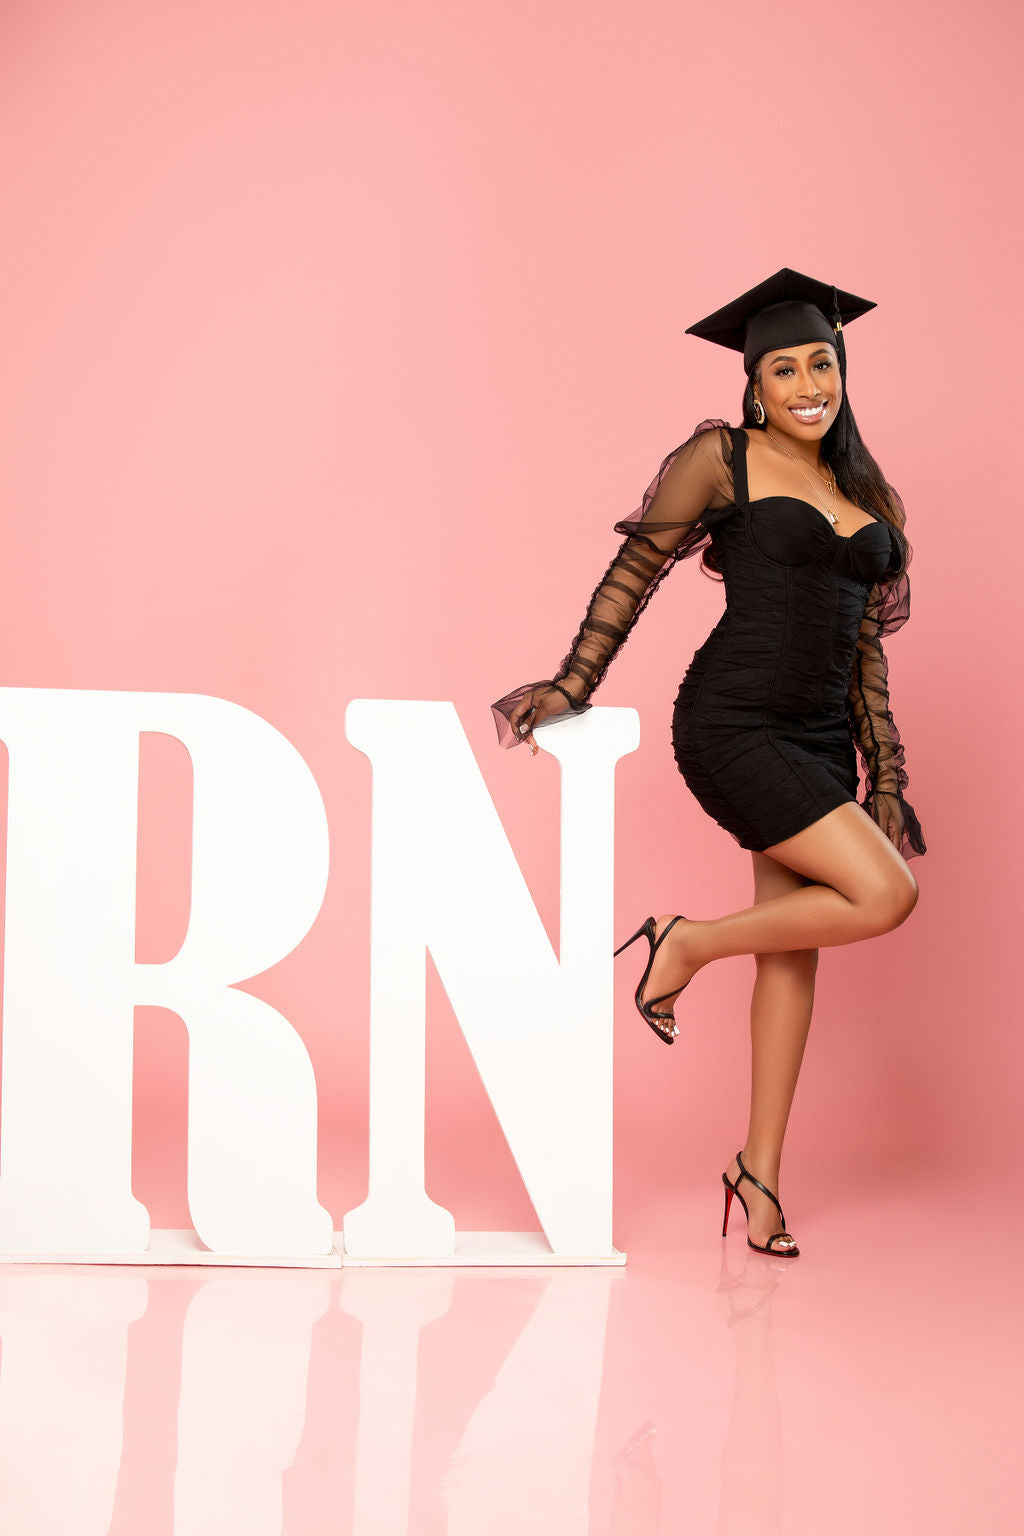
(540, 704)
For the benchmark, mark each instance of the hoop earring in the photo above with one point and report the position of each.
(759, 415)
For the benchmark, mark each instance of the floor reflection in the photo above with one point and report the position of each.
(499, 1407)
(63, 1338)
(242, 1407)
(684, 1394)
(534, 1430)
(752, 1457)
(637, 1497)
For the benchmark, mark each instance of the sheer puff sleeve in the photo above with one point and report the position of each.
(871, 722)
(673, 521)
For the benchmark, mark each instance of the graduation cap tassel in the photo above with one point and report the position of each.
(837, 325)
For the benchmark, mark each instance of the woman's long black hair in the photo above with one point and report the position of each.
(857, 473)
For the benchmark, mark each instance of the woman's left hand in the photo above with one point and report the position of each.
(889, 815)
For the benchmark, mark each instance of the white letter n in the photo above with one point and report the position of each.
(539, 1026)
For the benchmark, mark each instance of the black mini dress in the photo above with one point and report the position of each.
(792, 682)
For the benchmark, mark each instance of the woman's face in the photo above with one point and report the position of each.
(800, 389)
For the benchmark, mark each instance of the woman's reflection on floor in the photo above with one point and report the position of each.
(751, 1490)
(636, 1486)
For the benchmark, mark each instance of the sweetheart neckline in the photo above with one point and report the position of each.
(845, 538)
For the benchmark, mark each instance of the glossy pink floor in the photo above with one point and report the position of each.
(866, 1387)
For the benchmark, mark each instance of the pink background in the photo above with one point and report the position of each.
(335, 340)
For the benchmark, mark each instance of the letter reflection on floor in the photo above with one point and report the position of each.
(244, 1374)
(539, 1418)
(393, 1307)
(525, 1452)
(62, 1382)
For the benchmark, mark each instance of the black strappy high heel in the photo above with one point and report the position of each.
(733, 1189)
(647, 1009)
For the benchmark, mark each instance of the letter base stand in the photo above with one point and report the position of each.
(479, 1249)
(169, 1246)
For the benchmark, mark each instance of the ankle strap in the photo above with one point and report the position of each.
(662, 936)
(762, 1187)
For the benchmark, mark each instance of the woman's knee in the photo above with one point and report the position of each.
(894, 901)
(909, 891)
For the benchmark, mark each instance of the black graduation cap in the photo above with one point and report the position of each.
(786, 310)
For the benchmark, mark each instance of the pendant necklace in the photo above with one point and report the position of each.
(828, 480)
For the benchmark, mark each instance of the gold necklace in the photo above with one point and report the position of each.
(828, 481)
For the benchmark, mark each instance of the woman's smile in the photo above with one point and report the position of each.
(811, 414)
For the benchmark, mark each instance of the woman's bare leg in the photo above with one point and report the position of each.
(859, 885)
(853, 885)
(780, 1017)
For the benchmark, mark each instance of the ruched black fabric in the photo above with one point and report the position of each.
(792, 683)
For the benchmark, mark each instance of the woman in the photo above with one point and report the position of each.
(807, 534)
